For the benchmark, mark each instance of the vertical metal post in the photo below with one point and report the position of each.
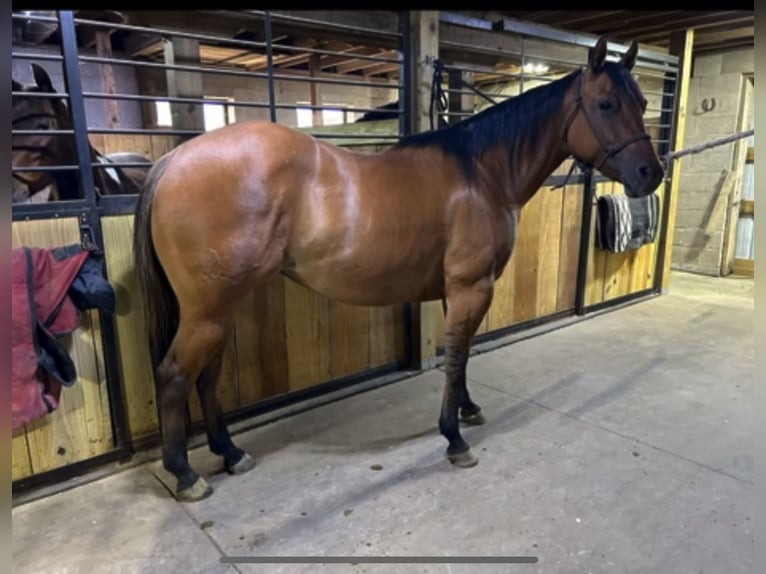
(270, 66)
(405, 75)
(406, 125)
(90, 222)
(669, 119)
(523, 64)
(585, 244)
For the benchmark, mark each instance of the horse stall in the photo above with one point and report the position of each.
(142, 78)
(137, 84)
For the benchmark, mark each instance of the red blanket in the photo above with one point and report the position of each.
(42, 311)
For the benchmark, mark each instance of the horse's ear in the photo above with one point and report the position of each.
(597, 55)
(42, 79)
(629, 58)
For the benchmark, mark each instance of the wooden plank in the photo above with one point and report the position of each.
(307, 320)
(569, 246)
(597, 258)
(349, 339)
(130, 328)
(681, 44)
(261, 340)
(424, 28)
(76, 430)
(386, 337)
(500, 313)
(744, 267)
(549, 254)
(526, 260)
(104, 50)
(21, 462)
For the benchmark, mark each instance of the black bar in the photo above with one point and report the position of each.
(585, 243)
(270, 404)
(33, 56)
(49, 210)
(406, 125)
(44, 168)
(71, 470)
(325, 24)
(79, 123)
(622, 300)
(232, 103)
(41, 132)
(270, 66)
(517, 328)
(669, 120)
(234, 72)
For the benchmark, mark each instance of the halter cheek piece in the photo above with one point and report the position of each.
(609, 151)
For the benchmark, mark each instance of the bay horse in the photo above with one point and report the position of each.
(433, 217)
(29, 151)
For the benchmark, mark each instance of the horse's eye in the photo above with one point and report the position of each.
(605, 105)
(42, 125)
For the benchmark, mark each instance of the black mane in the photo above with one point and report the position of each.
(517, 119)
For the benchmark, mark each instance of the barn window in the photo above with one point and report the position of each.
(215, 115)
(304, 117)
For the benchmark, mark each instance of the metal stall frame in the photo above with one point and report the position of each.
(91, 207)
(665, 66)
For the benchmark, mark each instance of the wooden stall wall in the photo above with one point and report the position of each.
(81, 426)
(541, 276)
(286, 338)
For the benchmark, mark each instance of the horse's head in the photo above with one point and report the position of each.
(606, 127)
(39, 113)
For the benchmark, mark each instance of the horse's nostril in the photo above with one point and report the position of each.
(644, 171)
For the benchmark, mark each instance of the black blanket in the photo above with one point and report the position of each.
(624, 223)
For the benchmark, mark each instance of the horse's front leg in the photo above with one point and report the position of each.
(465, 309)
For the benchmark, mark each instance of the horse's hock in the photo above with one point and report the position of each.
(129, 95)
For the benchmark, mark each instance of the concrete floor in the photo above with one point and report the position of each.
(619, 444)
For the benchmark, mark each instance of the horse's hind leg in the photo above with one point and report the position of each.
(470, 412)
(235, 460)
(466, 306)
(198, 341)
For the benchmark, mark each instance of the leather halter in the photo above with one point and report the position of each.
(609, 151)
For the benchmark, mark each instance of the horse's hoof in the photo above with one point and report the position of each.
(475, 419)
(197, 491)
(464, 460)
(244, 464)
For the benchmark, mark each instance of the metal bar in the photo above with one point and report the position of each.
(44, 168)
(233, 72)
(326, 24)
(585, 243)
(270, 67)
(33, 56)
(224, 40)
(406, 127)
(41, 132)
(138, 131)
(517, 328)
(117, 411)
(479, 70)
(621, 301)
(232, 103)
(669, 101)
(50, 210)
(356, 136)
(34, 18)
(45, 95)
(24, 485)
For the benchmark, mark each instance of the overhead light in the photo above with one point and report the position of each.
(531, 68)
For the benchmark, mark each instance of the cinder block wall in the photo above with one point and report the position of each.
(720, 77)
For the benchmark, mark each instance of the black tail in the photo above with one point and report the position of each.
(160, 303)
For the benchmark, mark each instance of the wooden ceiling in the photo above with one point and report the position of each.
(713, 29)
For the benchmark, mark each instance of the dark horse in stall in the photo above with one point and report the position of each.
(29, 151)
(433, 217)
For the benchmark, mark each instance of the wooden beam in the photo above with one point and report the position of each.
(424, 48)
(184, 51)
(104, 50)
(681, 45)
(356, 65)
(314, 71)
